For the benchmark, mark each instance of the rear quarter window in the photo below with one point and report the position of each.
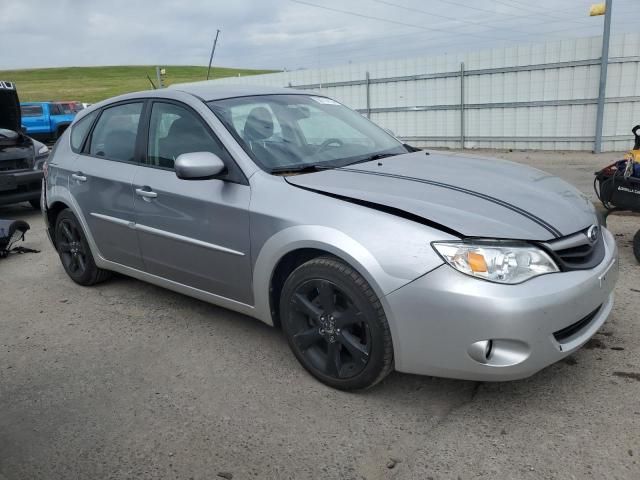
(31, 110)
(114, 136)
(79, 131)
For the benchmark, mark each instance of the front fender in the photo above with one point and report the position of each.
(318, 237)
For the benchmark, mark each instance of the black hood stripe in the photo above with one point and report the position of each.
(385, 209)
(550, 228)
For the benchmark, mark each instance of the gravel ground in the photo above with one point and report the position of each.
(126, 380)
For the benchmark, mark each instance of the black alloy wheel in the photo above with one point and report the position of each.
(335, 325)
(74, 251)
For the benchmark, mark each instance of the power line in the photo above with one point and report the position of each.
(353, 55)
(494, 13)
(370, 17)
(539, 12)
(411, 9)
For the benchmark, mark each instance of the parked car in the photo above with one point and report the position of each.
(291, 208)
(21, 157)
(71, 106)
(46, 121)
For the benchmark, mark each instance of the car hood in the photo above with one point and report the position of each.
(10, 116)
(469, 195)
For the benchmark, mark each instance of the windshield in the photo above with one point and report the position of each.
(299, 131)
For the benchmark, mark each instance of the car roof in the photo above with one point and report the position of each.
(208, 90)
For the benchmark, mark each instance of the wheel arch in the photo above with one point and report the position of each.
(292, 247)
(285, 266)
(52, 215)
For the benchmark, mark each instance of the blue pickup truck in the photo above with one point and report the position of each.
(46, 120)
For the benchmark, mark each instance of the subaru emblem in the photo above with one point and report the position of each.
(592, 233)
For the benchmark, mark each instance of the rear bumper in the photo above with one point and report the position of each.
(20, 186)
(439, 318)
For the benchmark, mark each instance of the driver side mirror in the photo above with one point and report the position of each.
(198, 166)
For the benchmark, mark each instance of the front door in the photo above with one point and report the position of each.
(194, 232)
(101, 182)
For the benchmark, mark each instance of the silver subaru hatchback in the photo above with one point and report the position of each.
(369, 254)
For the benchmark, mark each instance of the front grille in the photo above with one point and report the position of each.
(566, 333)
(17, 164)
(576, 252)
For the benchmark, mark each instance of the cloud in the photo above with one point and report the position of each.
(278, 33)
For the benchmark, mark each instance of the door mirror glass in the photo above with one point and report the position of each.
(198, 166)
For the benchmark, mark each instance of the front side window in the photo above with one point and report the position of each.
(114, 136)
(175, 130)
(296, 131)
(80, 129)
(31, 110)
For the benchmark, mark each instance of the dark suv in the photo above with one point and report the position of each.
(21, 157)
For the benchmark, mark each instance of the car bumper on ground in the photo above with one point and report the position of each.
(451, 325)
(18, 187)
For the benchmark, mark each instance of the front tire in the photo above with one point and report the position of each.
(636, 245)
(74, 251)
(335, 325)
(35, 203)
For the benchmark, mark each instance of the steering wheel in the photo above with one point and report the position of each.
(329, 141)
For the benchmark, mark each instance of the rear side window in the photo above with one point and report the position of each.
(114, 136)
(79, 131)
(31, 110)
(56, 109)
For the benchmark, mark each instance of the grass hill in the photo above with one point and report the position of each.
(92, 84)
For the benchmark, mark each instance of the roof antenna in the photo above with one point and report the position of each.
(213, 50)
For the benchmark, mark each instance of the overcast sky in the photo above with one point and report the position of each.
(281, 33)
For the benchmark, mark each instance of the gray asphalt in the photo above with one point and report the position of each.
(127, 380)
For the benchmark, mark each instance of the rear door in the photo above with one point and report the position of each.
(101, 182)
(194, 232)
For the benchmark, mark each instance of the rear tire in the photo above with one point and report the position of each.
(74, 251)
(335, 325)
(636, 245)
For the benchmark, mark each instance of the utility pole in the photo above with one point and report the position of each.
(213, 50)
(604, 64)
(462, 105)
(159, 77)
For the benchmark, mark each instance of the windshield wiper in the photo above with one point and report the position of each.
(376, 156)
(299, 168)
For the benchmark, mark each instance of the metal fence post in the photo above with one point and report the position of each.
(604, 64)
(462, 105)
(368, 90)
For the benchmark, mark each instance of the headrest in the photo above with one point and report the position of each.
(259, 125)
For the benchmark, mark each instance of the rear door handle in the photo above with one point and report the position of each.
(79, 177)
(143, 192)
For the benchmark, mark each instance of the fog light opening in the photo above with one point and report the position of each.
(488, 349)
(499, 352)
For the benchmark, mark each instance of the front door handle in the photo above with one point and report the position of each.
(79, 177)
(143, 192)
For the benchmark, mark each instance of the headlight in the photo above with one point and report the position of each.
(497, 261)
(43, 150)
